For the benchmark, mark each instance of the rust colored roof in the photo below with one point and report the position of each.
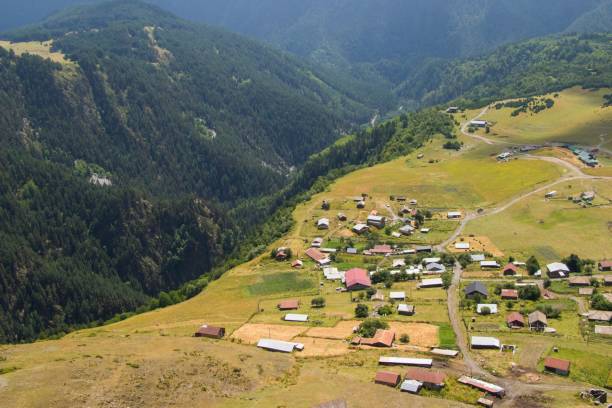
(511, 293)
(557, 364)
(510, 267)
(515, 317)
(381, 249)
(289, 304)
(210, 331)
(425, 376)
(315, 254)
(357, 276)
(386, 377)
(605, 264)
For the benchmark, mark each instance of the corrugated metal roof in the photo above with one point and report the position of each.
(279, 345)
(294, 317)
(405, 308)
(411, 386)
(419, 362)
(489, 264)
(477, 257)
(431, 282)
(445, 352)
(482, 385)
(397, 295)
(485, 341)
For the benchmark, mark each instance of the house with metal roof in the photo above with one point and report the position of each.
(397, 295)
(509, 294)
(478, 123)
(537, 321)
(433, 380)
(453, 215)
(515, 320)
(279, 345)
(444, 352)
(382, 338)
(435, 267)
(489, 264)
(405, 310)
(423, 248)
(318, 256)
(510, 269)
(357, 279)
(406, 230)
(475, 288)
(360, 228)
(294, 317)
(411, 386)
(464, 246)
(408, 361)
(557, 366)
(483, 386)
(431, 283)
(387, 378)
(479, 342)
(557, 270)
(332, 273)
(377, 221)
(579, 281)
(323, 223)
(477, 257)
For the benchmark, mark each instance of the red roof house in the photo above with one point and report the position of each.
(210, 331)
(387, 378)
(382, 338)
(556, 365)
(297, 264)
(430, 379)
(510, 269)
(357, 279)
(291, 304)
(605, 265)
(515, 319)
(317, 256)
(511, 294)
(381, 250)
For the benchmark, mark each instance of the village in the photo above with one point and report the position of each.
(383, 285)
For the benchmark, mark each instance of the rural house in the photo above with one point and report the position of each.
(317, 242)
(423, 248)
(411, 386)
(297, 264)
(405, 310)
(281, 254)
(600, 316)
(515, 320)
(291, 304)
(397, 295)
(509, 294)
(387, 378)
(360, 228)
(377, 221)
(435, 267)
(317, 256)
(478, 342)
(431, 283)
(557, 270)
(510, 269)
(537, 321)
(323, 223)
(579, 281)
(476, 288)
(357, 279)
(381, 250)
(382, 338)
(210, 332)
(406, 230)
(605, 266)
(489, 265)
(478, 123)
(557, 366)
(453, 215)
(341, 217)
(430, 379)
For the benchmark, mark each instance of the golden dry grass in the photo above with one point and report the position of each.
(250, 333)
(42, 49)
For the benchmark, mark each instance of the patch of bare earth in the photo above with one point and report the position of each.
(250, 333)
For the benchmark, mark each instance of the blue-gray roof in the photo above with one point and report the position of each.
(476, 287)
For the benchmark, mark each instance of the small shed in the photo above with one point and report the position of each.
(431, 283)
(478, 342)
(294, 317)
(510, 269)
(397, 295)
(291, 304)
(557, 366)
(579, 281)
(605, 266)
(411, 386)
(210, 332)
(405, 310)
(432, 380)
(387, 378)
(509, 294)
(489, 265)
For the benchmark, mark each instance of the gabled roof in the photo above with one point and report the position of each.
(579, 280)
(289, 304)
(293, 317)
(557, 267)
(510, 267)
(382, 338)
(357, 276)
(605, 264)
(431, 282)
(316, 255)
(279, 345)
(556, 364)
(402, 307)
(425, 376)
(387, 377)
(381, 249)
(397, 295)
(206, 330)
(537, 316)
(515, 317)
(485, 341)
(434, 266)
(509, 293)
(476, 287)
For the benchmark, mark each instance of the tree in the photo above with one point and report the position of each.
(385, 310)
(485, 310)
(389, 283)
(447, 280)
(547, 283)
(371, 292)
(362, 311)
(369, 326)
(574, 263)
(404, 338)
(531, 292)
(318, 302)
(532, 265)
(599, 302)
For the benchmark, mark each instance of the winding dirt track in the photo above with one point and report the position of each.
(514, 388)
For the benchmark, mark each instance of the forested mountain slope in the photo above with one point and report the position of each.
(527, 68)
(185, 122)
